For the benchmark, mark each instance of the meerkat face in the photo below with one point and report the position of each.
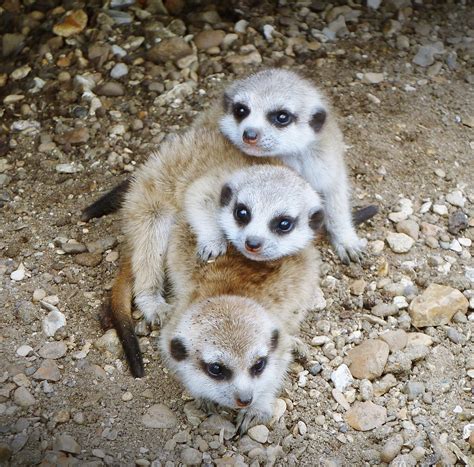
(274, 112)
(268, 212)
(227, 350)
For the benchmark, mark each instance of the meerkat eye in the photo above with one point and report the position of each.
(281, 118)
(242, 214)
(240, 111)
(259, 366)
(285, 225)
(282, 225)
(215, 370)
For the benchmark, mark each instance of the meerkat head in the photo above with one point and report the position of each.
(268, 212)
(274, 112)
(227, 350)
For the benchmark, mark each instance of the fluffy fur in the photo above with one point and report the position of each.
(310, 142)
(272, 198)
(233, 312)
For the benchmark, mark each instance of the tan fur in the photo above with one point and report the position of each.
(157, 193)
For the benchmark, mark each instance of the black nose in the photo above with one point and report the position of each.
(250, 136)
(243, 402)
(253, 244)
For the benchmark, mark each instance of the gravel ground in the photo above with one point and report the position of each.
(87, 97)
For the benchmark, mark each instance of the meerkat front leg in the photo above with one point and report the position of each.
(149, 244)
(338, 218)
(201, 207)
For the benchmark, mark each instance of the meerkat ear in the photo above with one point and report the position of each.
(316, 219)
(317, 120)
(226, 195)
(226, 102)
(177, 349)
(275, 339)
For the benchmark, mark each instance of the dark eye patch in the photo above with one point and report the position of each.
(258, 367)
(317, 120)
(281, 118)
(177, 349)
(240, 111)
(226, 195)
(282, 225)
(242, 214)
(216, 370)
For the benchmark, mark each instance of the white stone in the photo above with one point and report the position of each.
(440, 209)
(68, 168)
(53, 321)
(425, 207)
(374, 4)
(398, 216)
(117, 50)
(320, 340)
(268, 32)
(372, 78)
(24, 350)
(467, 430)
(119, 71)
(400, 302)
(259, 433)
(241, 26)
(455, 198)
(455, 246)
(400, 242)
(464, 241)
(19, 274)
(21, 72)
(377, 246)
(342, 377)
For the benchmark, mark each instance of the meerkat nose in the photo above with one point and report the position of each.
(250, 136)
(253, 244)
(244, 402)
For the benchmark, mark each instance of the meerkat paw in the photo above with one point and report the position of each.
(300, 349)
(350, 249)
(206, 406)
(153, 306)
(251, 417)
(212, 249)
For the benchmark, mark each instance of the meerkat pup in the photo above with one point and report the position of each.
(234, 323)
(266, 212)
(156, 194)
(275, 113)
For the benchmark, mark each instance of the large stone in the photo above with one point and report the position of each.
(396, 339)
(365, 416)
(191, 456)
(367, 360)
(66, 443)
(210, 38)
(399, 242)
(436, 306)
(259, 433)
(73, 23)
(109, 342)
(48, 371)
(53, 350)
(23, 397)
(159, 416)
(169, 49)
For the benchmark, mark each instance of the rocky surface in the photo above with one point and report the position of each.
(88, 89)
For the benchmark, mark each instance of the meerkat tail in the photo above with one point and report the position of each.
(120, 314)
(108, 203)
(361, 215)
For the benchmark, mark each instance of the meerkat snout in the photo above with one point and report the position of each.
(254, 244)
(244, 400)
(250, 136)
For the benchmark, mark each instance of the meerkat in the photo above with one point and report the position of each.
(276, 113)
(234, 323)
(266, 212)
